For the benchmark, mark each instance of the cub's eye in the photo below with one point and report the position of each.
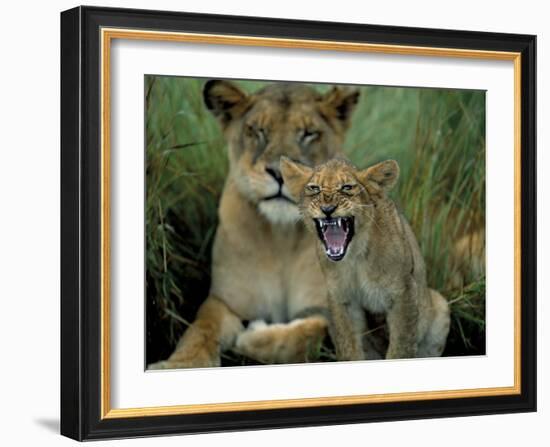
(347, 188)
(313, 189)
(258, 133)
(307, 136)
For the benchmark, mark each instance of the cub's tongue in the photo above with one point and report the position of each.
(335, 239)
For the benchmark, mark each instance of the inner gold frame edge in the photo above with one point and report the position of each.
(107, 34)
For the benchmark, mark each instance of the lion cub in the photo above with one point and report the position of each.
(370, 259)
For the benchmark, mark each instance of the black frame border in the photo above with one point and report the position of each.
(81, 223)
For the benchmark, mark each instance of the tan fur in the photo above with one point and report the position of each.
(468, 258)
(264, 265)
(382, 272)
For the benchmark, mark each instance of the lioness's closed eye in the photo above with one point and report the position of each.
(370, 259)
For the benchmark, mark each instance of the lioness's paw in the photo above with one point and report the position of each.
(294, 342)
(256, 325)
(164, 364)
(258, 340)
(257, 335)
(200, 359)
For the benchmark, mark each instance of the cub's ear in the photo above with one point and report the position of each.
(224, 99)
(339, 103)
(382, 176)
(295, 176)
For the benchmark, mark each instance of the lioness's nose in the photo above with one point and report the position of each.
(275, 173)
(328, 209)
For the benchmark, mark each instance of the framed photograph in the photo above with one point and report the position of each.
(274, 223)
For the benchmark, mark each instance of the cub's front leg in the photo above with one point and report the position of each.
(402, 321)
(346, 328)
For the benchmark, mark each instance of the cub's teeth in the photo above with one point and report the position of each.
(339, 221)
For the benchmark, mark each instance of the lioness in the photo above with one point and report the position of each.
(370, 259)
(264, 265)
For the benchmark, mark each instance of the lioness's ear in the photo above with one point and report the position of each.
(382, 176)
(224, 99)
(295, 176)
(340, 103)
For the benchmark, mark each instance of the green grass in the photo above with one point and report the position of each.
(436, 135)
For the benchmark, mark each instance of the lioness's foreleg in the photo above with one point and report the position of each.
(295, 342)
(213, 331)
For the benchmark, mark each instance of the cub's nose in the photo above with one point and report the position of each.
(275, 173)
(328, 209)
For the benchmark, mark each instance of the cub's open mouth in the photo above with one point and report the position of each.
(336, 234)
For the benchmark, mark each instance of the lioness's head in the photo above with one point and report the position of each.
(282, 119)
(337, 200)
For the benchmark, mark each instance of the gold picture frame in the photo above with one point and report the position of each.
(103, 26)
